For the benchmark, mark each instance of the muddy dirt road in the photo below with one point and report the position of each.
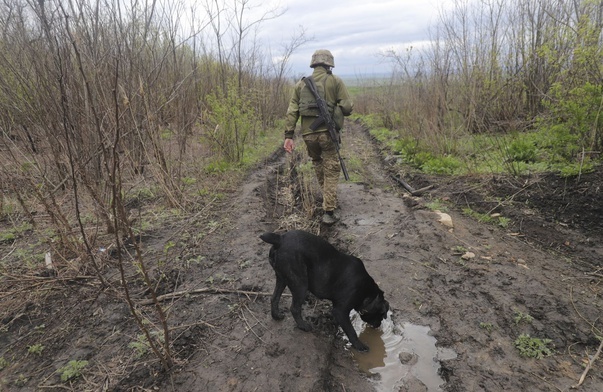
(473, 289)
(464, 299)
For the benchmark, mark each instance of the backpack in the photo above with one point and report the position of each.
(309, 108)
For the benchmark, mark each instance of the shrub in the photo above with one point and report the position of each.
(521, 150)
(575, 121)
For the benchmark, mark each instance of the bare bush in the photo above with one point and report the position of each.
(492, 67)
(100, 96)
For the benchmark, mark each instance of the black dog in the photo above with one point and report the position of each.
(303, 261)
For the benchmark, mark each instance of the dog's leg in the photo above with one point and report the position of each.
(344, 322)
(296, 310)
(276, 298)
(299, 292)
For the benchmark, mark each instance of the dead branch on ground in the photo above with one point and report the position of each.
(206, 290)
(591, 361)
(411, 190)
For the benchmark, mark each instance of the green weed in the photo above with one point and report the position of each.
(503, 222)
(522, 150)
(522, 318)
(533, 347)
(72, 370)
(436, 205)
(555, 144)
(21, 380)
(141, 345)
(483, 218)
(459, 249)
(7, 236)
(577, 168)
(188, 180)
(218, 166)
(441, 165)
(35, 349)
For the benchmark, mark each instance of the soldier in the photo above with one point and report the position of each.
(320, 147)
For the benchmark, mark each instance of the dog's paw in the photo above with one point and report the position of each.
(304, 326)
(278, 315)
(359, 346)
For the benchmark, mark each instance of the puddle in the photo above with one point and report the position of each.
(399, 355)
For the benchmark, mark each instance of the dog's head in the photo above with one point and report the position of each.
(374, 310)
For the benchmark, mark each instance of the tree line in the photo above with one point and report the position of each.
(502, 66)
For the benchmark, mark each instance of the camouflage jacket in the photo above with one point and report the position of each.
(330, 87)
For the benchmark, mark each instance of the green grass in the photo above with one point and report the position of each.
(515, 153)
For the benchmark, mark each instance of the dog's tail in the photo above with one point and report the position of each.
(272, 238)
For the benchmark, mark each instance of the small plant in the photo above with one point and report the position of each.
(440, 165)
(21, 380)
(489, 327)
(533, 347)
(244, 264)
(35, 349)
(3, 363)
(188, 180)
(437, 205)
(575, 169)
(72, 370)
(503, 222)
(522, 150)
(141, 344)
(7, 236)
(459, 250)
(522, 317)
(219, 278)
(482, 218)
(169, 245)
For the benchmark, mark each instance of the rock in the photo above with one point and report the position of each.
(468, 256)
(445, 219)
(413, 384)
(408, 358)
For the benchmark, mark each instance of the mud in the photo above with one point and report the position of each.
(455, 318)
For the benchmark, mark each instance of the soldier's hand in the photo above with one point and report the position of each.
(288, 146)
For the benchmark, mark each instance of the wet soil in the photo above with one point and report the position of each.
(476, 287)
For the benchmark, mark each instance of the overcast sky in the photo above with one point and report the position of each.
(355, 31)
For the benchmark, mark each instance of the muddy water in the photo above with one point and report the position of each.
(400, 355)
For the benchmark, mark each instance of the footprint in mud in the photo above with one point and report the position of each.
(400, 357)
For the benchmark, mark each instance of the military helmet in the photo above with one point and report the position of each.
(322, 57)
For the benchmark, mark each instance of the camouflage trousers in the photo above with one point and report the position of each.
(326, 165)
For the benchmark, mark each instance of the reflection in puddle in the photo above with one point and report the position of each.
(400, 355)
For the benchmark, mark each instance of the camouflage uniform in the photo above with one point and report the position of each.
(318, 142)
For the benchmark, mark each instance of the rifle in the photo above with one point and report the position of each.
(325, 117)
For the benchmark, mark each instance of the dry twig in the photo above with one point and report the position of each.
(591, 361)
(206, 290)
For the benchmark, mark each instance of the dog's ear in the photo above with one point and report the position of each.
(271, 238)
(369, 304)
